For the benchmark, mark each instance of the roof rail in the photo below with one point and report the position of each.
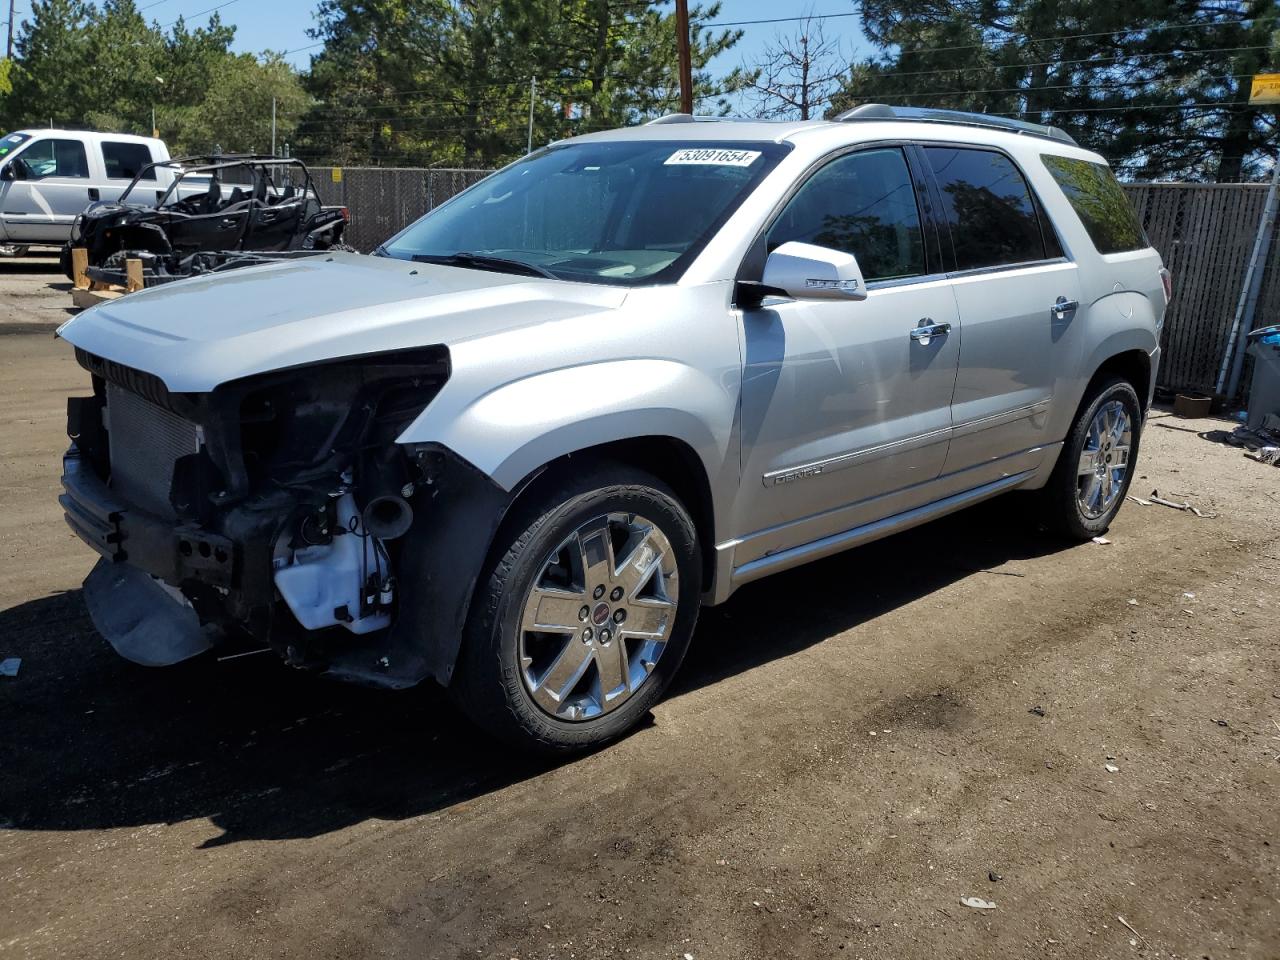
(882, 111)
(698, 118)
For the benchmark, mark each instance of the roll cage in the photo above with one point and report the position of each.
(265, 170)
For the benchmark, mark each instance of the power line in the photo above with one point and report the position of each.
(750, 23)
(1117, 85)
(198, 13)
(1203, 24)
(1051, 63)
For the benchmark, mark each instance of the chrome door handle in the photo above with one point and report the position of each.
(1062, 306)
(927, 330)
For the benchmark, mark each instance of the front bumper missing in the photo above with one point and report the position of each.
(142, 619)
(172, 552)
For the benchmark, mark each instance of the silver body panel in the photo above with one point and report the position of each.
(819, 424)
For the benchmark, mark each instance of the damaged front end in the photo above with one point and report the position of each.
(278, 509)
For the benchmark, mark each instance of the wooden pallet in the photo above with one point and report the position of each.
(87, 292)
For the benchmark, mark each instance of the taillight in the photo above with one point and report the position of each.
(1166, 279)
(346, 215)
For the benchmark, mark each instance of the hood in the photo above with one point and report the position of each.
(198, 333)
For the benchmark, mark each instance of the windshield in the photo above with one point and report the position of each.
(13, 140)
(613, 212)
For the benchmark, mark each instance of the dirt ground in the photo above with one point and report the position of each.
(33, 291)
(851, 749)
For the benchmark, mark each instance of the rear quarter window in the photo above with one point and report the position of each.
(1099, 202)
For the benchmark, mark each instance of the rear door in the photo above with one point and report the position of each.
(1019, 303)
(121, 162)
(52, 187)
(845, 414)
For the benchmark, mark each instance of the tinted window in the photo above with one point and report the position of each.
(124, 161)
(55, 158)
(1098, 200)
(988, 206)
(863, 204)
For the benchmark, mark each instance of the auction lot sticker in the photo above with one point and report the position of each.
(714, 156)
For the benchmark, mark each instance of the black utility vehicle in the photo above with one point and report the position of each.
(219, 212)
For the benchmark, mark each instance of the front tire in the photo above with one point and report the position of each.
(584, 615)
(1095, 467)
(14, 250)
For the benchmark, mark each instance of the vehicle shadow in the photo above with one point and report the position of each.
(265, 752)
(35, 264)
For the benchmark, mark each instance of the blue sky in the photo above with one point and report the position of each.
(282, 24)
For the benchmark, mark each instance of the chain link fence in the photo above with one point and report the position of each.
(1205, 233)
(385, 200)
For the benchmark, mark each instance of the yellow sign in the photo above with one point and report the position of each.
(337, 171)
(1266, 88)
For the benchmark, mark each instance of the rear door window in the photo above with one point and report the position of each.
(993, 218)
(863, 203)
(124, 161)
(55, 158)
(1099, 202)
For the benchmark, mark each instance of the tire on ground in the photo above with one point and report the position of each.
(1061, 508)
(489, 683)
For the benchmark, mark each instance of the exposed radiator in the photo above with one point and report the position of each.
(145, 440)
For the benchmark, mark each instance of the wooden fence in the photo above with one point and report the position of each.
(1205, 233)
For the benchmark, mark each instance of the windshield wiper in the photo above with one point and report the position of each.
(485, 262)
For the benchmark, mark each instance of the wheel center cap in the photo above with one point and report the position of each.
(600, 614)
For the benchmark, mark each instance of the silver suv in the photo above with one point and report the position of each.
(518, 449)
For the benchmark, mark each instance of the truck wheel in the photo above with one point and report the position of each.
(584, 616)
(13, 250)
(1096, 464)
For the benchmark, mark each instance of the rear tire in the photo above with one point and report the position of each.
(1095, 467)
(607, 564)
(14, 249)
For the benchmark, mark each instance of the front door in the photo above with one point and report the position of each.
(51, 188)
(846, 414)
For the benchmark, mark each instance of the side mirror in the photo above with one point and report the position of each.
(7, 172)
(808, 272)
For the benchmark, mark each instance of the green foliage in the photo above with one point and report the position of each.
(448, 82)
(1156, 86)
(105, 67)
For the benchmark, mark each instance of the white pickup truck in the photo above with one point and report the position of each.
(48, 177)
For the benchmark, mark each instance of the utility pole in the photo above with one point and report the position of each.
(686, 65)
(9, 51)
(533, 91)
(273, 126)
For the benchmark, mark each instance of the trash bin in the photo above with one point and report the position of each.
(1264, 392)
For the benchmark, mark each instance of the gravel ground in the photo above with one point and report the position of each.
(965, 710)
(33, 291)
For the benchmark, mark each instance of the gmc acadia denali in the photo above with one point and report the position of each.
(517, 449)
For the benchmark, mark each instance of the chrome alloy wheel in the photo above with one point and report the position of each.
(1104, 460)
(598, 616)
